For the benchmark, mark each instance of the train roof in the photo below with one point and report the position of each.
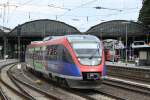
(70, 38)
(74, 38)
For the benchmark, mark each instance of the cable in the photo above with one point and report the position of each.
(99, 7)
(51, 5)
(78, 7)
(27, 2)
(23, 4)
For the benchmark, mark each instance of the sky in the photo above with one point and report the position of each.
(81, 14)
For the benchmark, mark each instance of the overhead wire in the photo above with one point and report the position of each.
(23, 4)
(77, 7)
(27, 2)
(120, 10)
(108, 15)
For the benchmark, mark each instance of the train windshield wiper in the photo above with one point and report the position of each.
(93, 54)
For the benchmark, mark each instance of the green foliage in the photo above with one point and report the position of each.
(144, 15)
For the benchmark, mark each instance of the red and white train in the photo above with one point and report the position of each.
(73, 60)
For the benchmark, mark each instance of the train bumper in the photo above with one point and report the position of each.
(84, 84)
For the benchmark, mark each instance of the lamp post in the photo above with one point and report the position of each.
(126, 32)
(5, 46)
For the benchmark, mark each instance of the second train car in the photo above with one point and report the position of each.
(73, 60)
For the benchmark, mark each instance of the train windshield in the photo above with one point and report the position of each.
(88, 53)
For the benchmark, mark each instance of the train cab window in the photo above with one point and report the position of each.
(66, 57)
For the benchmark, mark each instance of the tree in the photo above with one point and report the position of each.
(144, 15)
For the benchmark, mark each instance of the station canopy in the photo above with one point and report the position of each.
(118, 28)
(42, 28)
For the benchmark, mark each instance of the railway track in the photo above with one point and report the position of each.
(92, 94)
(117, 90)
(97, 94)
(51, 87)
(125, 90)
(109, 95)
(7, 87)
(85, 94)
(111, 89)
(3, 95)
(137, 87)
(140, 74)
(17, 90)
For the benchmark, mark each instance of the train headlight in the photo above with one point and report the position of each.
(79, 59)
(99, 59)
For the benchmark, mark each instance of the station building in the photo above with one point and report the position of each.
(127, 32)
(15, 40)
(118, 29)
(3, 34)
(18, 38)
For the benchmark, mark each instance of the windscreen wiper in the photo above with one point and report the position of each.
(93, 54)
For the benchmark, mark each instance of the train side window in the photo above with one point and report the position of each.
(52, 52)
(32, 51)
(36, 53)
(40, 53)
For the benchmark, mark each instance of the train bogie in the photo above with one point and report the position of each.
(84, 84)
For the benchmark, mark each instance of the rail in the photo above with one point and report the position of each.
(11, 88)
(3, 96)
(133, 73)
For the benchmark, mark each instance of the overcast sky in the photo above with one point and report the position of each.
(81, 14)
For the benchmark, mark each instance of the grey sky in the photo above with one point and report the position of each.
(78, 13)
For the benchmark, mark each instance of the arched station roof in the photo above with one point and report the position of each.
(44, 27)
(118, 28)
(4, 31)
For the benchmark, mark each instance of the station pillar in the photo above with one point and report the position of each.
(5, 47)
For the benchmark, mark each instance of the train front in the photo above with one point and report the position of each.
(89, 58)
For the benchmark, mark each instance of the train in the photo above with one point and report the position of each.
(75, 61)
(112, 49)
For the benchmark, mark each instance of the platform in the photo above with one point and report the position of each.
(122, 64)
